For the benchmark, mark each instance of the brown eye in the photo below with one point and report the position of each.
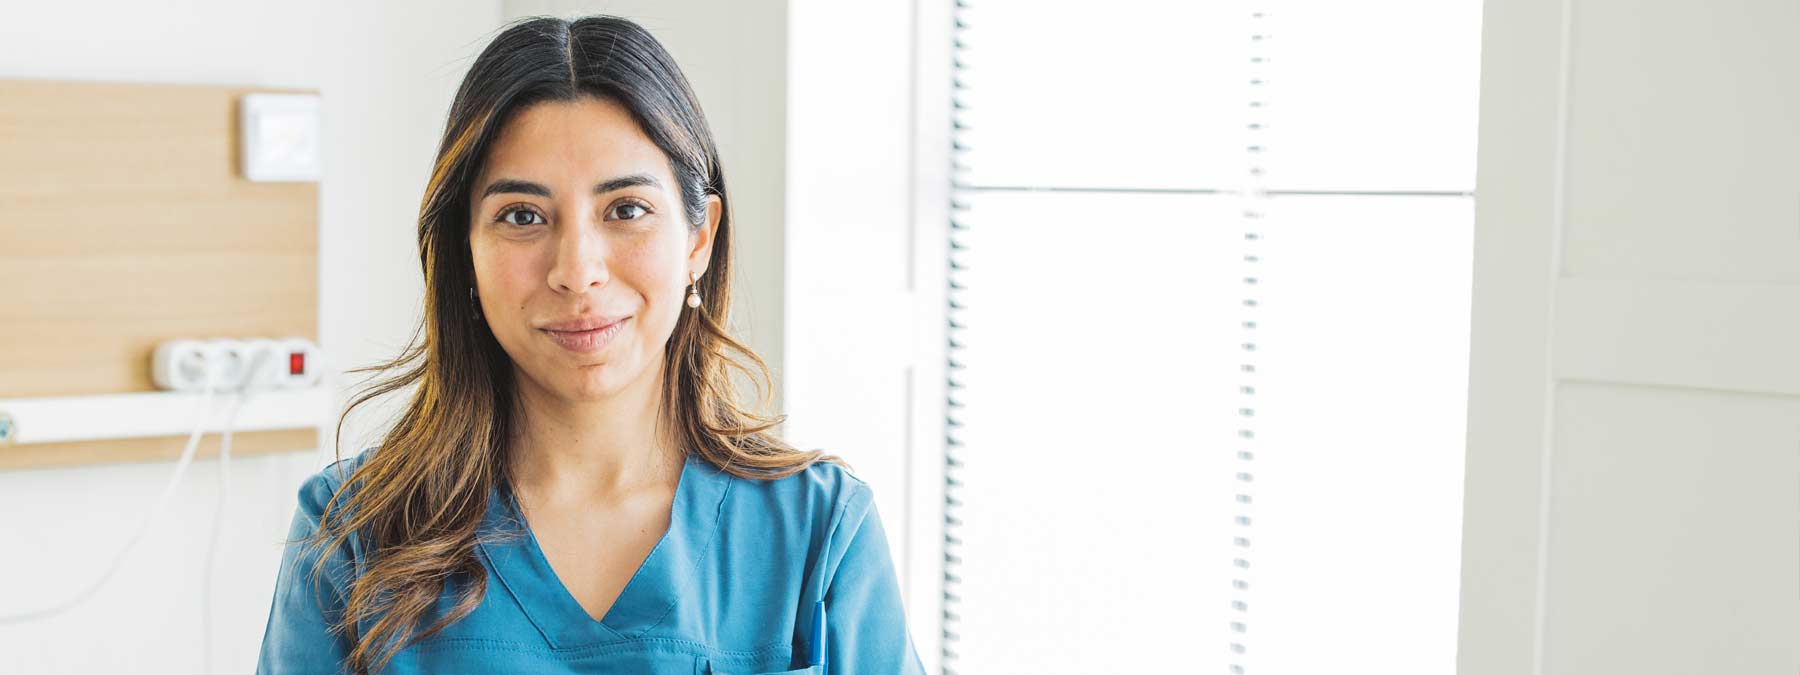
(507, 216)
(635, 205)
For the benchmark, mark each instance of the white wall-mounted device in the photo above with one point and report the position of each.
(280, 137)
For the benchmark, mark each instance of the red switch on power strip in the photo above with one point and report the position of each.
(303, 362)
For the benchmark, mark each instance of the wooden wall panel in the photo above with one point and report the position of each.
(124, 221)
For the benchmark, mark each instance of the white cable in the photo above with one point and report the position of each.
(181, 465)
(212, 543)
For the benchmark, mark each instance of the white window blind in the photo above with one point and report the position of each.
(1209, 306)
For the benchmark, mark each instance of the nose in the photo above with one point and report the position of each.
(579, 261)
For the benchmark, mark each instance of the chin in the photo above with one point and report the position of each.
(592, 382)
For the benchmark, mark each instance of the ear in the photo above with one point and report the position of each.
(700, 250)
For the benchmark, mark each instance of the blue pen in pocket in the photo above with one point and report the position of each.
(816, 645)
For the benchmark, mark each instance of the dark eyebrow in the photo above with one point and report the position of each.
(516, 186)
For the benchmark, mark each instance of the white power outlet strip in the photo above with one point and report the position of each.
(287, 363)
(286, 395)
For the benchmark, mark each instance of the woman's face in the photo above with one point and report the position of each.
(576, 218)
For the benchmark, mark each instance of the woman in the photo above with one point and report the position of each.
(574, 488)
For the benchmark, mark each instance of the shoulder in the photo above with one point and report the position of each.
(822, 484)
(816, 499)
(318, 489)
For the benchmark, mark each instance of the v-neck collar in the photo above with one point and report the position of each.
(647, 598)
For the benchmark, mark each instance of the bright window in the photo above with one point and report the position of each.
(1211, 277)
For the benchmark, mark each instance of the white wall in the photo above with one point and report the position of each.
(386, 72)
(1633, 473)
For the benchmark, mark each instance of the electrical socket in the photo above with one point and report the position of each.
(282, 363)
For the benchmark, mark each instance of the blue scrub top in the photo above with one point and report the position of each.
(729, 589)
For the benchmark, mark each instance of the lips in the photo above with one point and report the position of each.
(590, 340)
(581, 323)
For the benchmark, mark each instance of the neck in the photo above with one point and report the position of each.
(581, 450)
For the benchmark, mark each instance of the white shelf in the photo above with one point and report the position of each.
(56, 419)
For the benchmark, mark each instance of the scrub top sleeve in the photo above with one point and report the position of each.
(866, 629)
(297, 639)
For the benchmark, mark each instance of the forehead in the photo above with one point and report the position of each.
(577, 141)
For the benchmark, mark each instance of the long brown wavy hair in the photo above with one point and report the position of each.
(421, 493)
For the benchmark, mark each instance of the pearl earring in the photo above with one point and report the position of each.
(694, 290)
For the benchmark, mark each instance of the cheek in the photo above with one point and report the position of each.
(649, 274)
(504, 275)
(656, 268)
